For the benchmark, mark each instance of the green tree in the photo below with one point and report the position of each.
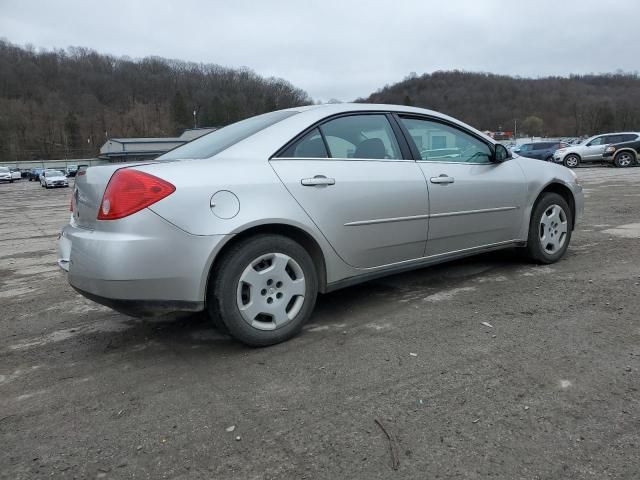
(72, 132)
(179, 112)
(533, 125)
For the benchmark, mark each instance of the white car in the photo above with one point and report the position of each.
(53, 178)
(5, 175)
(15, 173)
(591, 149)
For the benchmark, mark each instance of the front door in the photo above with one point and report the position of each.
(595, 148)
(350, 176)
(473, 201)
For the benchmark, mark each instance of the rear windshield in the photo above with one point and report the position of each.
(213, 143)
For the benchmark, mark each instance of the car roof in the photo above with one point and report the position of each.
(328, 109)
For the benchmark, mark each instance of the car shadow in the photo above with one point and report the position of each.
(195, 330)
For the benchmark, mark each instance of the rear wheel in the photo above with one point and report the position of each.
(571, 161)
(624, 159)
(264, 290)
(549, 229)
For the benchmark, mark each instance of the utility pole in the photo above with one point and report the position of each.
(515, 129)
(195, 118)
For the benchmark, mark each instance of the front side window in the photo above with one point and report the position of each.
(438, 142)
(597, 141)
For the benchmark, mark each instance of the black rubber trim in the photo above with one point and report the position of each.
(143, 308)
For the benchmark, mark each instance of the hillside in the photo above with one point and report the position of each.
(65, 103)
(554, 106)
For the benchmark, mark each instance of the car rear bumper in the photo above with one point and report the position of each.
(159, 271)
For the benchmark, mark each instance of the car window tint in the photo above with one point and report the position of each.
(613, 139)
(361, 136)
(627, 137)
(309, 146)
(437, 142)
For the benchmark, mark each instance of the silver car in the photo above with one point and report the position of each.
(251, 221)
(53, 178)
(591, 149)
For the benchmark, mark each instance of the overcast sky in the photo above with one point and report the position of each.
(340, 48)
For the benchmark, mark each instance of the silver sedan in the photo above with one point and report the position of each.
(252, 221)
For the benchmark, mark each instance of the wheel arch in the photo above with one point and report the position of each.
(627, 149)
(295, 233)
(565, 192)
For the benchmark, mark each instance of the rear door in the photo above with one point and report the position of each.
(473, 202)
(354, 178)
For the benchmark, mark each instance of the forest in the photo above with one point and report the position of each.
(576, 105)
(66, 103)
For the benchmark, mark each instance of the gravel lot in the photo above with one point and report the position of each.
(550, 392)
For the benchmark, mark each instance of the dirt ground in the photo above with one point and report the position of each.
(550, 391)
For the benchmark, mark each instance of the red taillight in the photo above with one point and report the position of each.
(129, 191)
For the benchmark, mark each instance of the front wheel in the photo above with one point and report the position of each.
(264, 290)
(571, 161)
(549, 229)
(624, 159)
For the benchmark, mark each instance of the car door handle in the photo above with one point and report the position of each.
(318, 180)
(442, 179)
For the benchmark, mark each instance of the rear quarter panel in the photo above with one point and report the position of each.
(262, 198)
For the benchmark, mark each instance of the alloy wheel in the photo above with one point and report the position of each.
(624, 159)
(572, 161)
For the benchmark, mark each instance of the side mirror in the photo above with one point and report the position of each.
(501, 153)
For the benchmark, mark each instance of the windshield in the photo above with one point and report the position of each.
(4, 170)
(215, 142)
(54, 173)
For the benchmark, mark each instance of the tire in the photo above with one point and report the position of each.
(549, 229)
(286, 284)
(571, 161)
(549, 159)
(624, 159)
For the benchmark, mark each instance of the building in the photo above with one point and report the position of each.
(135, 149)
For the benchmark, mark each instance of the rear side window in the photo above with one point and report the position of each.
(309, 146)
(353, 136)
(628, 137)
(361, 136)
(223, 138)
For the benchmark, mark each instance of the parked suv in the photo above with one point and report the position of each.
(592, 149)
(623, 154)
(540, 150)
